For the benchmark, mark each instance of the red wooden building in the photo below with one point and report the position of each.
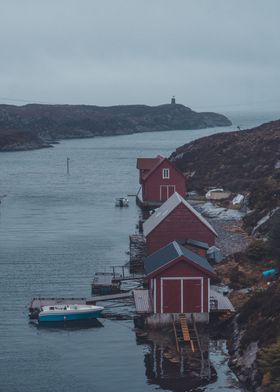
(179, 280)
(159, 179)
(175, 220)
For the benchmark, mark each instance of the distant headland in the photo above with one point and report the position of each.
(35, 126)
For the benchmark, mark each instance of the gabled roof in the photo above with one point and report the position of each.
(166, 208)
(159, 162)
(148, 163)
(165, 256)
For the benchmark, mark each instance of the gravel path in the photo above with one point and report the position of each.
(232, 238)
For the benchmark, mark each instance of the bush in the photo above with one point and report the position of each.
(274, 237)
(257, 250)
(269, 363)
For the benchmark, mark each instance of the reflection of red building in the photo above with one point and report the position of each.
(179, 280)
(159, 179)
(176, 219)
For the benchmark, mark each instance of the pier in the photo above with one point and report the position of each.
(38, 302)
(137, 251)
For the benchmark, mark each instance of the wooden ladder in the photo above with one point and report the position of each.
(187, 336)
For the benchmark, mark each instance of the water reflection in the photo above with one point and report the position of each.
(169, 370)
(64, 325)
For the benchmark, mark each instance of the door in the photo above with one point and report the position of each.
(163, 192)
(192, 296)
(166, 191)
(171, 190)
(171, 296)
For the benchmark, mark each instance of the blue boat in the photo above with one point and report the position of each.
(65, 313)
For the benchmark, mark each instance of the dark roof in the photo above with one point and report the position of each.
(147, 163)
(197, 244)
(171, 252)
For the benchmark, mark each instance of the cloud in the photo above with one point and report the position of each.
(206, 52)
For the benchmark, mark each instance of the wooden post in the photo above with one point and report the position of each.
(68, 166)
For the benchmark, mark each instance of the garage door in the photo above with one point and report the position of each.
(171, 292)
(192, 296)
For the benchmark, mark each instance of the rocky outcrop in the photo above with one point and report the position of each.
(18, 140)
(44, 124)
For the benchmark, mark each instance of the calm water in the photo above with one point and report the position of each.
(55, 232)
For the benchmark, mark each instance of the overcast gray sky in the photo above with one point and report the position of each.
(208, 53)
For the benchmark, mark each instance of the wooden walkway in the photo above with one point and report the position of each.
(183, 333)
(137, 250)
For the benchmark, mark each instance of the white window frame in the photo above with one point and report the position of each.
(166, 173)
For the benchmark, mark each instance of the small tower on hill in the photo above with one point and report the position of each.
(173, 101)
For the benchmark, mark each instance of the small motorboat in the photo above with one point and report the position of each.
(69, 313)
(122, 202)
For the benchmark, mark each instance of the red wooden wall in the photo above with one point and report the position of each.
(151, 186)
(180, 224)
(171, 289)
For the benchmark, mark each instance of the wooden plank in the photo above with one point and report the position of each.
(109, 297)
(184, 327)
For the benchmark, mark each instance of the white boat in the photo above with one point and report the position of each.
(122, 202)
(69, 313)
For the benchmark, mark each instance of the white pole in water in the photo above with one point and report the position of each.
(68, 166)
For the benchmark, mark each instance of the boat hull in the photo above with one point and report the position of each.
(69, 316)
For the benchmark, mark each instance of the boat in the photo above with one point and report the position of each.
(122, 202)
(69, 313)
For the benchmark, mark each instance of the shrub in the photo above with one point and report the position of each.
(257, 250)
(269, 363)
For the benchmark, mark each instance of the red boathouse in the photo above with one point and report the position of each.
(179, 281)
(159, 179)
(175, 220)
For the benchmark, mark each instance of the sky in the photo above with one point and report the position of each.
(210, 54)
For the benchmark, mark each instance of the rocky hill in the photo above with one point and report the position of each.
(35, 126)
(241, 161)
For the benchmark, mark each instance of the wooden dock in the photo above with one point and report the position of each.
(137, 251)
(38, 302)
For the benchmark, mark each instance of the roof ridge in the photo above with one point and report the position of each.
(177, 248)
(197, 214)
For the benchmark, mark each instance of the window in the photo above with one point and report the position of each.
(165, 173)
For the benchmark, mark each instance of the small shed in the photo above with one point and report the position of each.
(179, 280)
(195, 246)
(175, 220)
(159, 179)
